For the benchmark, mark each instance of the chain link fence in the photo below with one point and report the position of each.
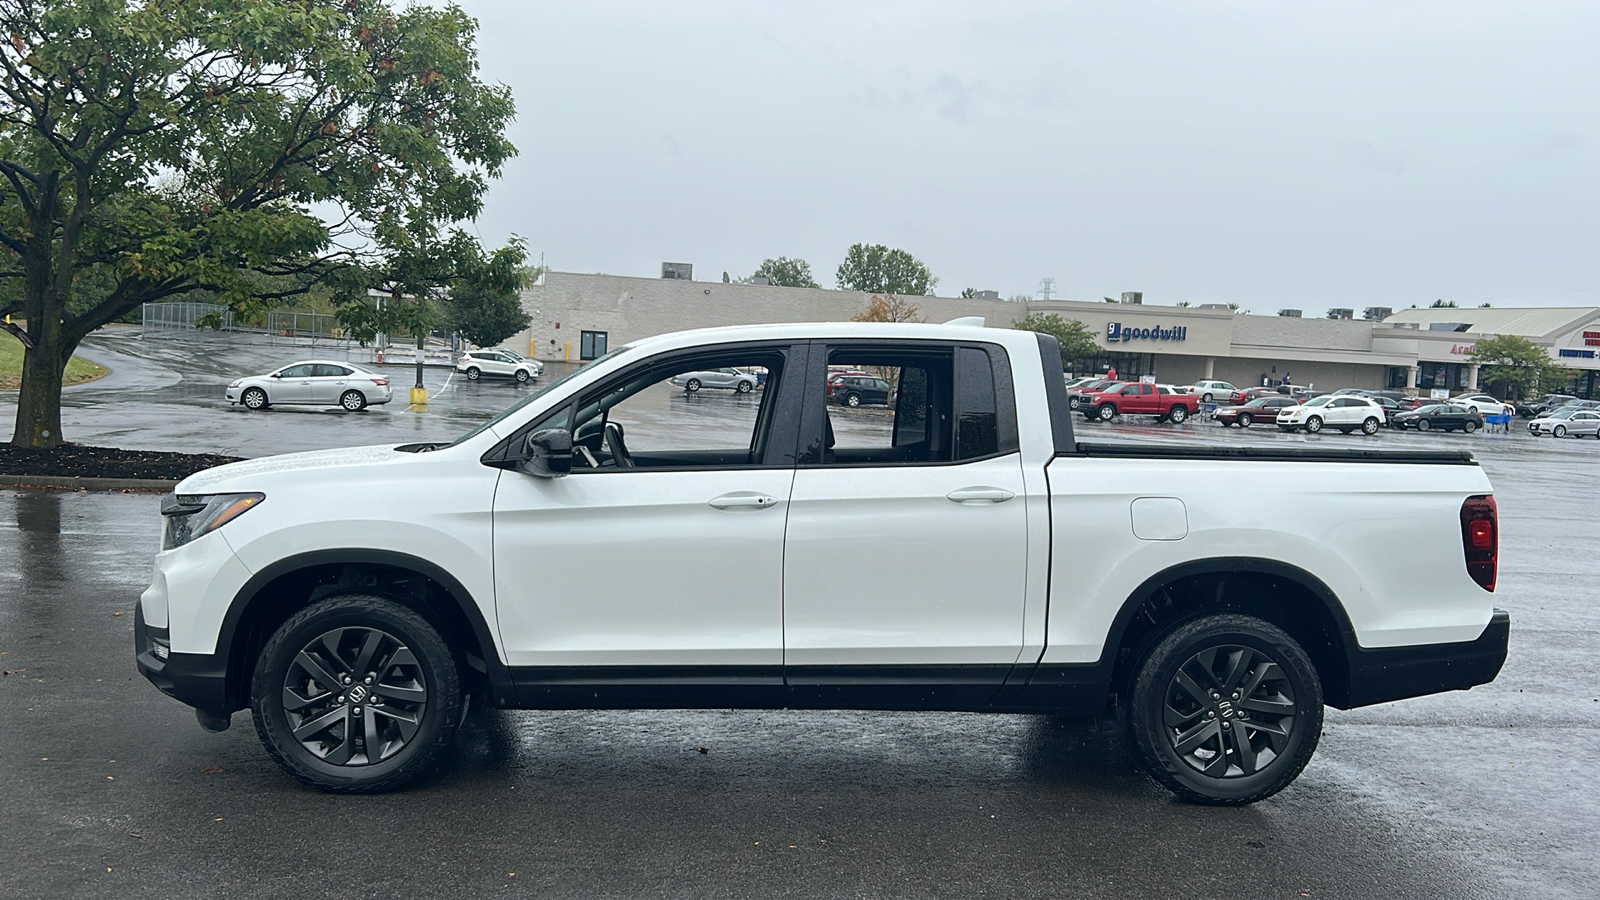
(176, 319)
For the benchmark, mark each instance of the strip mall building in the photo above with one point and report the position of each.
(579, 317)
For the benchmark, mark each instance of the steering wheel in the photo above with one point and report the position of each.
(620, 456)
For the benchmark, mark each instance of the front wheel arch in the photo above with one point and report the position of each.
(278, 590)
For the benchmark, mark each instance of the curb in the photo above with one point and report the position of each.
(74, 483)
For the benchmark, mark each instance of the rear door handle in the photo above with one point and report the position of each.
(743, 500)
(980, 495)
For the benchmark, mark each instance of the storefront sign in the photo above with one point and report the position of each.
(1463, 348)
(1580, 354)
(1115, 332)
(1591, 338)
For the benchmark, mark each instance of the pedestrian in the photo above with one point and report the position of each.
(1286, 376)
(1265, 381)
(1111, 373)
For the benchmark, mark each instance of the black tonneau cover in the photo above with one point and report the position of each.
(1282, 454)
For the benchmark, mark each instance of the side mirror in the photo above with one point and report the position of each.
(548, 453)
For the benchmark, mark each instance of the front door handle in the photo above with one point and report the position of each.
(980, 495)
(743, 500)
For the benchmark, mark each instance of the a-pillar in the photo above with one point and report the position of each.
(1211, 367)
(1472, 376)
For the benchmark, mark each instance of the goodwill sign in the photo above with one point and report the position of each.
(1115, 332)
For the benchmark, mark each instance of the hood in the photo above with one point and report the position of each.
(237, 476)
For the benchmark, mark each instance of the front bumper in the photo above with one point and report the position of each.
(200, 680)
(1395, 673)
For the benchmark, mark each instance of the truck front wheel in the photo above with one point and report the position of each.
(1225, 709)
(1106, 412)
(356, 694)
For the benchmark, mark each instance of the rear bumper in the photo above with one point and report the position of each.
(1395, 673)
(199, 680)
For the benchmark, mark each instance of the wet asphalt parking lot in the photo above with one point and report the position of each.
(109, 789)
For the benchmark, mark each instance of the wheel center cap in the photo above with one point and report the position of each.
(1225, 709)
(358, 693)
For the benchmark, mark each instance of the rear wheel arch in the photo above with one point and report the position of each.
(279, 590)
(1280, 594)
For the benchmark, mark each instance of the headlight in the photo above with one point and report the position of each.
(190, 516)
(236, 383)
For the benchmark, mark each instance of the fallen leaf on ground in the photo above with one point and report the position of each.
(211, 770)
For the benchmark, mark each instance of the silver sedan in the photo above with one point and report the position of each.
(313, 382)
(732, 379)
(1576, 422)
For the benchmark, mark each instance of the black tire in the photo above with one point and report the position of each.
(473, 374)
(415, 682)
(1205, 398)
(1422, 425)
(1470, 426)
(1192, 689)
(1314, 424)
(1072, 403)
(744, 387)
(253, 398)
(354, 401)
(1346, 430)
(1559, 431)
(852, 399)
(692, 385)
(1370, 426)
(1178, 414)
(1106, 412)
(523, 376)
(1245, 419)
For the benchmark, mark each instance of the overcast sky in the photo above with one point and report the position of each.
(1266, 153)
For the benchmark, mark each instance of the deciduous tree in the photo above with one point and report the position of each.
(888, 308)
(253, 150)
(876, 269)
(1514, 367)
(785, 272)
(1077, 341)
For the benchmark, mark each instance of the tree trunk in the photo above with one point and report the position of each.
(39, 402)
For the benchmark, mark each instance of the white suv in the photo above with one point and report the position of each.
(498, 361)
(1345, 413)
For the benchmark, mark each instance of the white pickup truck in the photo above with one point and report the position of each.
(616, 542)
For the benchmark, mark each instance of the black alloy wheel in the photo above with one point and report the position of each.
(254, 398)
(356, 694)
(1106, 412)
(354, 401)
(1226, 709)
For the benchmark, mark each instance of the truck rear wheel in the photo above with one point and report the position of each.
(356, 694)
(1178, 414)
(1225, 709)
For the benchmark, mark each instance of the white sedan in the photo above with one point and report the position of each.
(1483, 403)
(314, 382)
(498, 361)
(732, 379)
(1345, 413)
(1576, 422)
(1209, 391)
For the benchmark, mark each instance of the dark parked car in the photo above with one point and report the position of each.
(858, 390)
(1530, 409)
(1439, 417)
(1245, 395)
(1261, 409)
(1393, 407)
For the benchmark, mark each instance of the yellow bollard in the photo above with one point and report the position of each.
(419, 396)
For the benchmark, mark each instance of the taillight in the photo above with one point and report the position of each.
(1480, 539)
(380, 381)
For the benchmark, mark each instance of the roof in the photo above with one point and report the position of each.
(832, 330)
(1533, 321)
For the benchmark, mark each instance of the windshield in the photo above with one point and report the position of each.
(1561, 414)
(1318, 401)
(534, 396)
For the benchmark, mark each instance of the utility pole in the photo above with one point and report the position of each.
(1047, 287)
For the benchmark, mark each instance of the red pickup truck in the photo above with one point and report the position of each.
(1139, 400)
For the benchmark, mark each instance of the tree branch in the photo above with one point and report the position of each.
(18, 333)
